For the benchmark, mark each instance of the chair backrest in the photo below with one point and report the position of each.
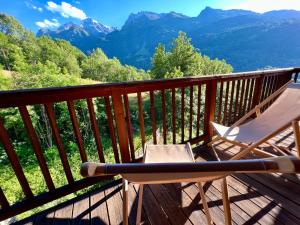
(283, 110)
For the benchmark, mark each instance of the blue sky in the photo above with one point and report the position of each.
(34, 14)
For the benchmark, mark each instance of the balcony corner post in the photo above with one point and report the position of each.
(296, 77)
(210, 102)
(257, 91)
(121, 124)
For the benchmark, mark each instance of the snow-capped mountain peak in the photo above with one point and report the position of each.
(93, 26)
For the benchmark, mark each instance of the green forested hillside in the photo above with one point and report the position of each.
(43, 62)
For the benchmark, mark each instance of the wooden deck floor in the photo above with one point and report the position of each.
(255, 199)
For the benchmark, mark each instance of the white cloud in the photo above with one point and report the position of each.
(47, 23)
(262, 6)
(40, 9)
(66, 10)
(32, 6)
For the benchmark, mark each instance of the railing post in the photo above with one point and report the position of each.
(257, 91)
(296, 77)
(210, 106)
(121, 124)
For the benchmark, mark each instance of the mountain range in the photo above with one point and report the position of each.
(245, 39)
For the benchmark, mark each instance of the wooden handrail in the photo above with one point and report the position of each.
(200, 98)
(57, 94)
(283, 164)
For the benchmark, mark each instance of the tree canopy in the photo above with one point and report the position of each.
(183, 59)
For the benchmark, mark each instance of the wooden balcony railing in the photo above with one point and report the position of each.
(186, 106)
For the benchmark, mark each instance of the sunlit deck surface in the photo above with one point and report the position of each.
(255, 199)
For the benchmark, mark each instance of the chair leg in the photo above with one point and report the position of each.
(213, 140)
(226, 203)
(204, 202)
(125, 202)
(140, 203)
(297, 135)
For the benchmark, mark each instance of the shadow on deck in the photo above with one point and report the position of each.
(254, 199)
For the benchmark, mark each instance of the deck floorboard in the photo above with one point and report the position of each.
(254, 199)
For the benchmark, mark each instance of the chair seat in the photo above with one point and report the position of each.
(169, 154)
(246, 133)
(278, 115)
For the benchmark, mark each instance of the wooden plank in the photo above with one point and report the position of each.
(36, 147)
(257, 92)
(198, 110)
(45, 218)
(246, 98)
(28, 221)
(217, 214)
(296, 130)
(132, 206)
(239, 214)
(214, 197)
(3, 201)
(268, 91)
(152, 208)
(269, 87)
(141, 118)
(173, 116)
(191, 112)
(287, 189)
(255, 212)
(226, 103)
(13, 159)
(189, 206)
(273, 88)
(121, 125)
(237, 100)
(296, 76)
(220, 102)
(163, 107)
(251, 95)
(243, 94)
(63, 215)
(277, 190)
(59, 144)
(264, 203)
(99, 213)
(47, 95)
(114, 205)
(76, 131)
(215, 201)
(111, 129)
(264, 88)
(265, 190)
(182, 114)
(81, 211)
(174, 213)
(95, 129)
(153, 117)
(210, 106)
(129, 127)
(230, 117)
(44, 198)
